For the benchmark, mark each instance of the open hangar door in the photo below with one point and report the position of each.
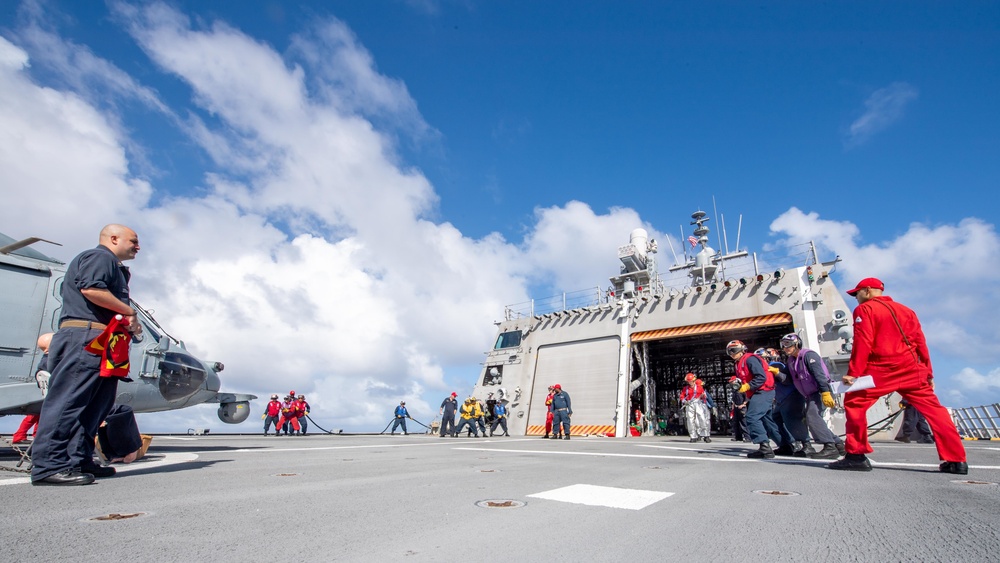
(665, 356)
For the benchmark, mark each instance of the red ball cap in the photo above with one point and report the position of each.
(873, 283)
(557, 386)
(454, 394)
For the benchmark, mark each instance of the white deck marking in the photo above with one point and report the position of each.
(598, 454)
(168, 459)
(728, 459)
(593, 495)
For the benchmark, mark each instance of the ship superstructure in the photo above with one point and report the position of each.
(627, 348)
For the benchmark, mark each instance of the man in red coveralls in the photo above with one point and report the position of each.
(889, 345)
(549, 415)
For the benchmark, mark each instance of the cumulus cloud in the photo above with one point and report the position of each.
(883, 107)
(305, 261)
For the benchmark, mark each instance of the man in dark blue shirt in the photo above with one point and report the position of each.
(94, 291)
(401, 416)
(562, 409)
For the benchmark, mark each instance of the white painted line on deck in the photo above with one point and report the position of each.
(168, 459)
(265, 449)
(791, 461)
(593, 495)
(599, 454)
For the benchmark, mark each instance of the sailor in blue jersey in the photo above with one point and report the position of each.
(789, 408)
(499, 418)
(400, 420)
(94, 290)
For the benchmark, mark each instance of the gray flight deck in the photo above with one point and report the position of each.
(414, 498)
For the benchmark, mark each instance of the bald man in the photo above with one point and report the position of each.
(94, 290)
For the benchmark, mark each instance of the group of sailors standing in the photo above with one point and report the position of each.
(289, 416)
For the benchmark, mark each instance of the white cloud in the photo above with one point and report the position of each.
(574, 248)
(357, 299)
(883, 107)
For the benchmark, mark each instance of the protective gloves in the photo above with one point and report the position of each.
(744, 388)
(828, 401)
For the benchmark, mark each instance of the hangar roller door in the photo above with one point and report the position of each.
(588, 371)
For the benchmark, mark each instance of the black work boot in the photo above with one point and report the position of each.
(829, 451)
(805, 451)
(566, 437)
(784, 449)
(708, 440)
(546, 437)
(851, 462)
(765, 452)
(841, 448)
(956, 467)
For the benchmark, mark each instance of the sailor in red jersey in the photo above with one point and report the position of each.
(757, 382)
(549, 415)
(693, 397)
(272, 414)
(289, 416)
(889, 345)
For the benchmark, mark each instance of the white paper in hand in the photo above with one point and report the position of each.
(863, 382)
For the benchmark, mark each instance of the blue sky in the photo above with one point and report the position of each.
(369, 183)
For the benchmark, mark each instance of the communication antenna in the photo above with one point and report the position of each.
(683, 240)
(738, 229)
(716, 210)
(724, 236)
(672, 250)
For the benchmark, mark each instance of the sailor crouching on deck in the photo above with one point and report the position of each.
(468, 417)
(562, 409)
(889, 345)
(94, 290)
(695, 409)
(758, 384)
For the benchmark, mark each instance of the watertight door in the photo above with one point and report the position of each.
(588, 371)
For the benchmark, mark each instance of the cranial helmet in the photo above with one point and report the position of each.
(689, 377)
(274, 396)
(791, 339)
(735, 382)
(762, 352)
(735, 346)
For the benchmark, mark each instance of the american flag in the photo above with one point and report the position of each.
(693, 241)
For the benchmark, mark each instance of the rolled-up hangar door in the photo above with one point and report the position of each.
(588, 371)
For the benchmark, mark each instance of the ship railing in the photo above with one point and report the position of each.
(561, 302)
(738, 266)
(982, 423)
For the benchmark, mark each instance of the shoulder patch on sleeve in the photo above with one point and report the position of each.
(857, 320)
